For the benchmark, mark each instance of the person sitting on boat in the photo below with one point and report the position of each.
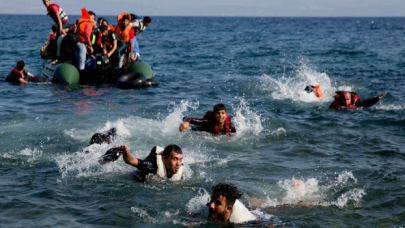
(113, 46)
(225, 206)
(215, 122)
(18, 74)
(346, 99)
(138, 26)
(166, 163)
(316, 90)
(86, 29)
(58, 15)
(125, 31)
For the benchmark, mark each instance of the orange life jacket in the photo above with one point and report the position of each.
(85, 18)
(124, 33)
(336, 103)
(111, 27)
(227, 122)
(318, 93)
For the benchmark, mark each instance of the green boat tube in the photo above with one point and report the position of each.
(141, 67)
(67, 73)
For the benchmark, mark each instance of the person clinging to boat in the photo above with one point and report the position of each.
(215, 122)
(18, 74)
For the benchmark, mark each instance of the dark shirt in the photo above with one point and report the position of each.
(14, 77)
(109, 40)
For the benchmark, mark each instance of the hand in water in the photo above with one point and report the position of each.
(183, 126)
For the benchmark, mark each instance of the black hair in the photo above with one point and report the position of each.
(219, 107)
(55, 28)
(170, 148)
(100, 138)
(105, 21)
(100, 20)
(103, 28)
(147, 19)
(229, 191)
(126, 17)
(20, 65)
(92, 13)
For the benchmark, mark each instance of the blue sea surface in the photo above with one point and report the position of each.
(351, 161)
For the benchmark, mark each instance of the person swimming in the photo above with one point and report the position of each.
(215, 122)
(316, 90)
(346, 99)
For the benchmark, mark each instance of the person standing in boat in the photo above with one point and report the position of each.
(138, 25)
(18, 74)
(113, 46)
(215, 122)
(125, 31)
(166, 163)
(86, 30)
(58, 15)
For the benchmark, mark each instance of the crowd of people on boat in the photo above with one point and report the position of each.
(86, 37)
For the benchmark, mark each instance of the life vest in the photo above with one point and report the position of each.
(17, 71)
(82, 25)
(211, 115)
(124, 33)
(318, 93)
(63, 16)
(339, 94)
(240, 213)
(111, 27)
(161, 168)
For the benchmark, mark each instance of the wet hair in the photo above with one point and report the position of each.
(55, 28)
(100, 138)
(92, 13)
(126, 17)
(103, 28)
(100, 20)
(229, 191)
(219, 107)
(20, 65)
(147, 19)
(170, 148)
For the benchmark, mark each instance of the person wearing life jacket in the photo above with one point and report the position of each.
(166, 163)
(225, 206)
(215, 122)
(86, 29)
(113, 46)
(138, 25)
(58, 15)
(316, 90)
(125, 31)
(346, 99)
(18, 74)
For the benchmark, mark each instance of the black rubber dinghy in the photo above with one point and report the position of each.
(151, 82)
(131, 80)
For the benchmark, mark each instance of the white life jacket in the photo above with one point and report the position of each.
(138, 24)
(63, 16)
(161, 168)
(240, 213)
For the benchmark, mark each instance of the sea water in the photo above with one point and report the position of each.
(350, 162)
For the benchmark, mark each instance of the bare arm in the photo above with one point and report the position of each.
(184, 126)
(128, 157)
(29, 74)
(21, 80)
(60, 24)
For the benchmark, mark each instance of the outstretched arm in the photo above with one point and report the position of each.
(372, 101)
(128, 157)
(184, 126)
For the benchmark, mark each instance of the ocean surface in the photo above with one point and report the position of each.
(352, 162)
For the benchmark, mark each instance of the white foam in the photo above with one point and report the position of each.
(199, 202)
(389, 107)
(292, 86)
(33, 154)
(246, 120)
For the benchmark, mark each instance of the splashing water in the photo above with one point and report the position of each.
(246, 120)
(292, 87)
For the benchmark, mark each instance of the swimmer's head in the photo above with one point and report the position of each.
(99, 138)
(172, 157)
(299, 187)
(20, 65)
(220, 113)
(346, 98)
(222, 200)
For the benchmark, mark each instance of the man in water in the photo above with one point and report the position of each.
(215, 122)
(18, 73)
(346, 99)
(226, 207)
(58, 15)
(166, 163)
